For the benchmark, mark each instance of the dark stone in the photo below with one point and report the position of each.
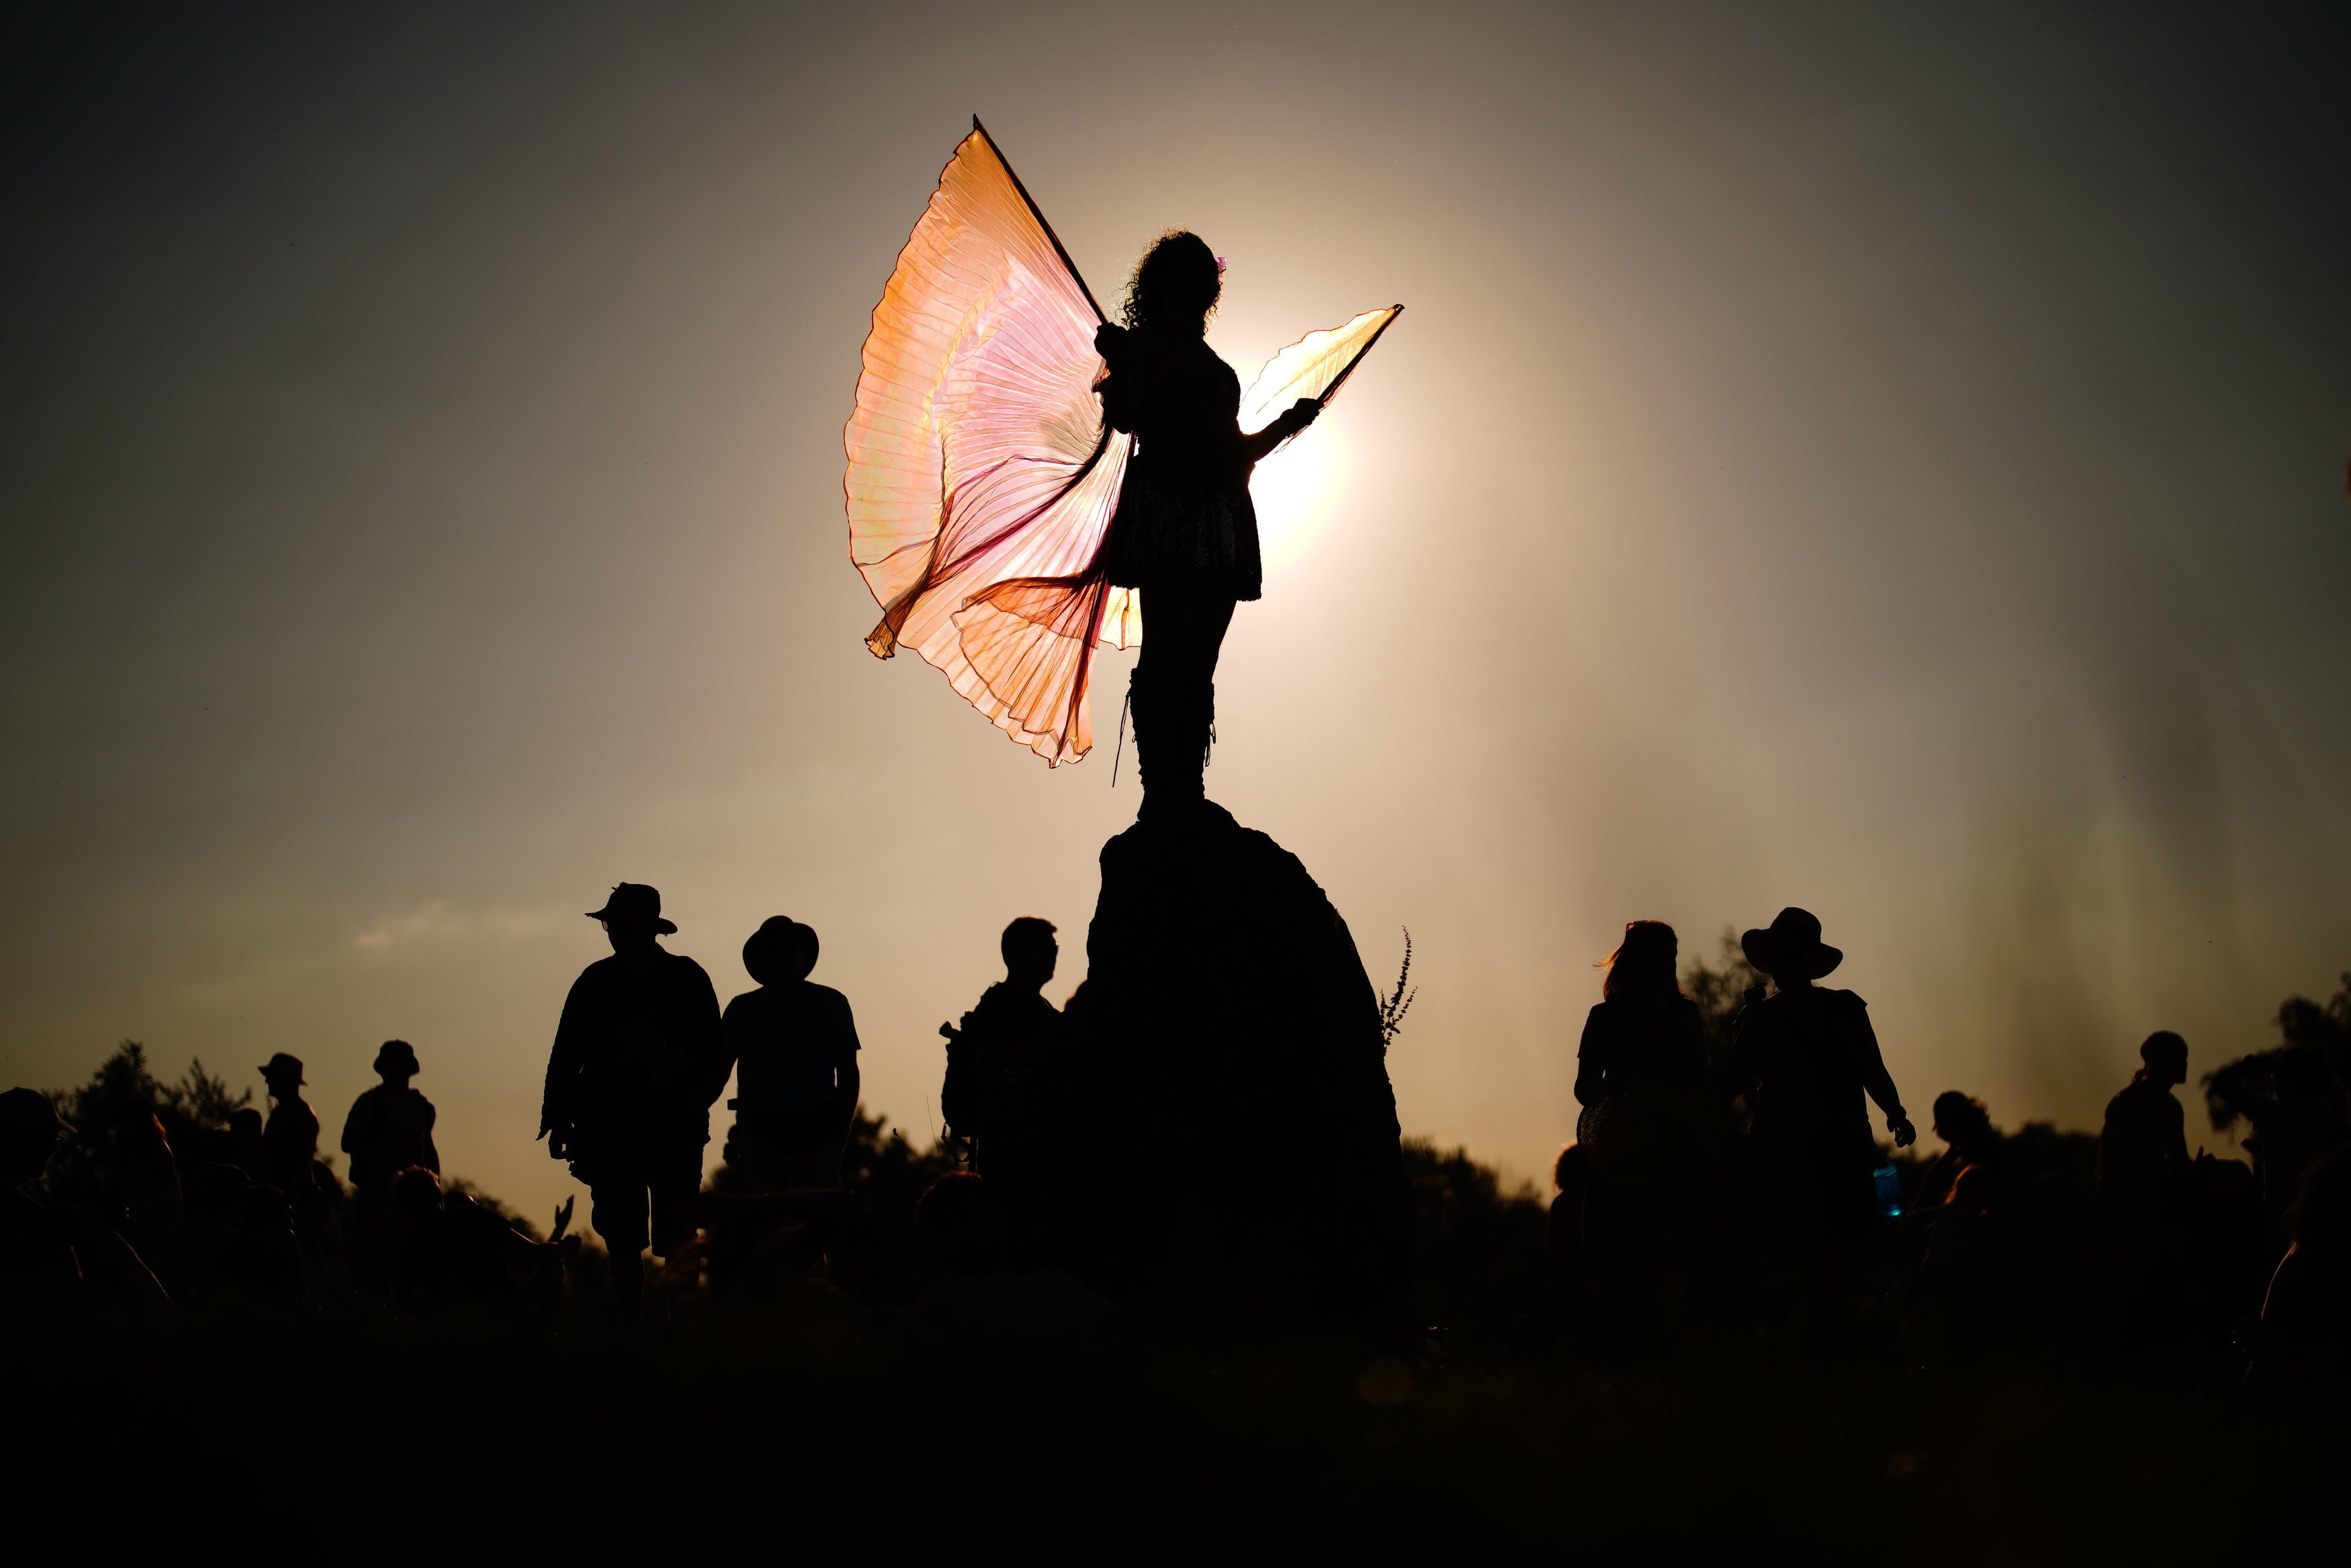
(1223, 1103)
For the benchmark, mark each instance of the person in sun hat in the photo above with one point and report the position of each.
(639, 1059)
(1807, 1056)
(289, 1142)
(795, 1047)
(389, 1130)
(290, 1162)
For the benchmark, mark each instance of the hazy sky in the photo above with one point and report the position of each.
(1884, 459)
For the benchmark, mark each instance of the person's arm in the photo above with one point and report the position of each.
(715, 1048)
(851, 1082)
(558, 1102)
(1300, 414)
(352, 1136)
(1877, 1081)
(1744, 1030)
(1592, 1061)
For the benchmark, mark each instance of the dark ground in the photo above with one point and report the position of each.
(837, 1423)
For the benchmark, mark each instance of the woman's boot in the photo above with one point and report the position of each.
(1172, 717)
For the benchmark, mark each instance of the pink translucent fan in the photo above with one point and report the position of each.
(981, 478)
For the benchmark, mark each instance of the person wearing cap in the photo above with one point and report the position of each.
(389, 1130)
(1807, 1056)
(639, 1059)
(794, 1046)
(1000, 1041)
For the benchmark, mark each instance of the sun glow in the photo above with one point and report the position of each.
(1297, 490)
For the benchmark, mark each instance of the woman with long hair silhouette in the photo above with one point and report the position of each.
(1184, 533)
(1025, 476)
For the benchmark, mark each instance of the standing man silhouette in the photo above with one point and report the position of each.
(2143, 1142)
(794, 1043)
(1808, 1056)
(639, 1058)
(1001, 1040)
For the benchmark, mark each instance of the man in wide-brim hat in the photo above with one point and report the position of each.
(637, 1061)
(1807, 1056)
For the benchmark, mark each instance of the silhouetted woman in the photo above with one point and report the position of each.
(1647, 1214)
(1638, 1069)
(1185, 532)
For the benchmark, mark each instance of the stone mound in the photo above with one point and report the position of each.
(1223, 1102)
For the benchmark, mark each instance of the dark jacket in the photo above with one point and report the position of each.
(2145, 1139)
(997, 1043)
(639, 1057)
(1809, 1057)
(389, 1130)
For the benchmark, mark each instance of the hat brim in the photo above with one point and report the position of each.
(666, 928)
(1813, 960)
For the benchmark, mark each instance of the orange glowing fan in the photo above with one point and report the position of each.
(981, 477)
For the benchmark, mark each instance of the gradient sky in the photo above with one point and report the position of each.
(1884, 459)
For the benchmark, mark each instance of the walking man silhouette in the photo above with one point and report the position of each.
(639, 1058)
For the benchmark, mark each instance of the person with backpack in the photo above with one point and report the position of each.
(1003, 1039)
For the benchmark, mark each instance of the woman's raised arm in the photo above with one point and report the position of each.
(1300, 414)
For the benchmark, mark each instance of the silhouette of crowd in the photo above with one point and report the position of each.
(1727, 1172)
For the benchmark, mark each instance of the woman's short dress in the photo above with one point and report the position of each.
(1183, 508)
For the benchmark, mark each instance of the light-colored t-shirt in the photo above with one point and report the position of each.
(787, 1041)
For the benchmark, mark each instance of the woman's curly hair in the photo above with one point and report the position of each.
(1176, 282)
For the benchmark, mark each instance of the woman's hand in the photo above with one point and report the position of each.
(1106, 339)
(1303, 412)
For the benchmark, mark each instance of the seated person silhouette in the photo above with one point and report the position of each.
(1002, 1039)
(2302, 1346)
(794, 1043)
(142, 1185)
(1969, 1140)
(58, 1264)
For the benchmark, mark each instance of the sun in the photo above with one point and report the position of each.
(1297, 490)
